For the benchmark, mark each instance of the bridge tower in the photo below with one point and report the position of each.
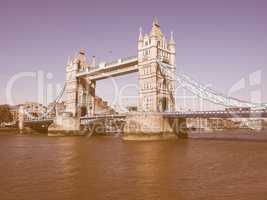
(156, 83)
(71, 90)
(74, 87)
(79, 92)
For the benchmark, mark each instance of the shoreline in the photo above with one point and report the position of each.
(247, 135)
(9, 131)
(229, 135)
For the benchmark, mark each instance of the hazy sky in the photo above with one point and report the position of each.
(218, 42)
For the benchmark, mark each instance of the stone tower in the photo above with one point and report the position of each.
(156, 82)
(73, 86)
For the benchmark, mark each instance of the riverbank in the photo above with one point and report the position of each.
(9, 131)
(233, 134)
(149, 137)
(16, 131)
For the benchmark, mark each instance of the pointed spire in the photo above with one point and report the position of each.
(68, 62)
(172, 38)
(140, 34)
(156, 28)
(93, 62)
(75, 59)
(171, 41)
(82, 51)
(155, 21)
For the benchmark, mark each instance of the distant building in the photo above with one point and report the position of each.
(219, 124)
(14, 112)
(32, 108)
(54, 108)
(102, 107)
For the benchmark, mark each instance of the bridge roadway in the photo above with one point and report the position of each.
(90, 119)
(36, 125)
(44, 123)
(112, 69)
(218, 114)
(189, 114)
(38, 121)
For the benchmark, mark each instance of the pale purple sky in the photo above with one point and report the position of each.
(218, 42)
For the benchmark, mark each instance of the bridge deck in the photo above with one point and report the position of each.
(42, 121)
(195, 114)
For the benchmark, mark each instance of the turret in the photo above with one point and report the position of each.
(171, 41)
(81, 60)
(140, 39)
(172, 49)
(156, 38)
(155, 31)
(93, 65)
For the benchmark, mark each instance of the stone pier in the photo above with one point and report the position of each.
(65, 125)
(21, 119)
(153, 126)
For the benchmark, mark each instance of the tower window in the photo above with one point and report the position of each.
(146, 52)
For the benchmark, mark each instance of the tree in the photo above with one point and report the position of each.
(5, 114)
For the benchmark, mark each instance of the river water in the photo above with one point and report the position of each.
(77, 168)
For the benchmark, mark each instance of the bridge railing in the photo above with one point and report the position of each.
(219, 113)
(111, 63)
(121, 60)
(29, 119)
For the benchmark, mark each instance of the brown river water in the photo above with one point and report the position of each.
(78, 168)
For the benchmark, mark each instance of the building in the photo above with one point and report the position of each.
(31, 108)
(14, 112)
(34, 109)
(55, 107)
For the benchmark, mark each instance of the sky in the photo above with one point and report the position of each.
(218, 42)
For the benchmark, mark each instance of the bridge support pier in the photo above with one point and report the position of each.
(179, 126)
(149, 126)
(21, 119)
(65, 125)
(92, 96)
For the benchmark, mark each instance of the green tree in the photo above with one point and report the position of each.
(5, 114)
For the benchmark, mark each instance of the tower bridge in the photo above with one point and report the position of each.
(155, 64)
(156, 85)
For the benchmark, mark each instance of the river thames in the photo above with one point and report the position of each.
(99, 168)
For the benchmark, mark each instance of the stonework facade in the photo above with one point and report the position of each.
(156, 83)
(80, 97)
(71, 87)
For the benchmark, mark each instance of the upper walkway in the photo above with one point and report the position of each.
(116, 68)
